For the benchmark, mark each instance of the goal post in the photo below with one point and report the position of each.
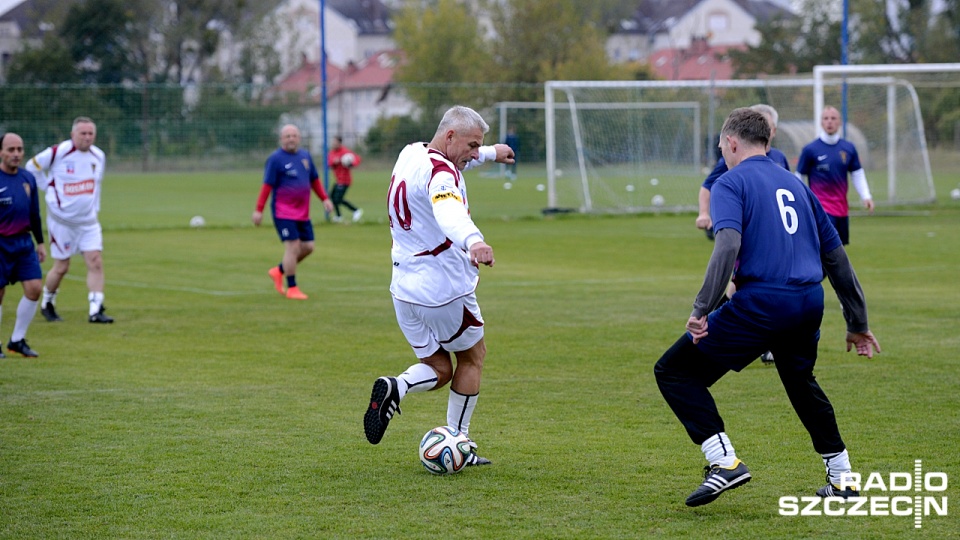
(646, 146)
(901, 123)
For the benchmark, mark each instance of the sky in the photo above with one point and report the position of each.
(7, 5)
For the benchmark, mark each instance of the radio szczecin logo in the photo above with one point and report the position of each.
(879, 496)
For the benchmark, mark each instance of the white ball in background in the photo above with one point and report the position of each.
(630, 188)
(197, 221)
(507, 185)
(541, 187)
(348, 159)
(955, 194)
(657, 200)
(558, 172)
(654, 182)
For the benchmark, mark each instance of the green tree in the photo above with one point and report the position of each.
(442, 46)
(51, 62)
(792, 45)
(100, 35)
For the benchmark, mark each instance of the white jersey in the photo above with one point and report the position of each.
(431, 227)
(72, 180)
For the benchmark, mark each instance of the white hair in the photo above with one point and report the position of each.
(767, 111)
(459, 118)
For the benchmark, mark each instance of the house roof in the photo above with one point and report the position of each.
(370, 16)
(375, 72)
(699, 62)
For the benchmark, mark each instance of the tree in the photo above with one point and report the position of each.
(51, 62)
(792, 45)
(100, 36)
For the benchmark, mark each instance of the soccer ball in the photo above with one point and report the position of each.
(444, 450)
(657, 200)
(348, 159)
(197, 221)
(955, 194)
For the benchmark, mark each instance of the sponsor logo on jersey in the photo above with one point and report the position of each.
(445, 195)
(71, 169)
(821, 158)
(84, 187)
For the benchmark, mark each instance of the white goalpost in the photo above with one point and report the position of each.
(642, 146)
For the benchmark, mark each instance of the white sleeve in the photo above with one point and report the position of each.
(859, 178)
(487, 153)
(39, 165)
(451, 214)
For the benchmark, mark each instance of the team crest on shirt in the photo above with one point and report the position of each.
(26, 188)
(306, 164)
(71, 168)
(843, 157)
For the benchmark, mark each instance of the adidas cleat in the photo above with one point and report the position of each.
(100, 318)
(716, 480)
(832, 490)
(473, 459)
(384, 403)
(49, 313)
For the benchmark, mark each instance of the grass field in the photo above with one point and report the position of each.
(214, 408)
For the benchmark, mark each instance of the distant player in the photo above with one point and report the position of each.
(72, 174)
(343, 171)
(290, 174)
(437, 251)
(826, 162)
(19, 260)
(769, 220)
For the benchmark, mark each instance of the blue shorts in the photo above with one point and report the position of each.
(18, 259)
(842, 225)
(761, 318)
(291, 229)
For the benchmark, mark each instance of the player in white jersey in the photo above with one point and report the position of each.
(437, 251)
(71, 173)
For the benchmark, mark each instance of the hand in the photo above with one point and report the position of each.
(328, 205)
(257, 218)
(868, 204)
(41, 252)
(504, 154)
(697, 328)
(481, 253)
(865, 343)
(704, 221)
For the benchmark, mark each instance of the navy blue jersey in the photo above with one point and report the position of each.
(19, 205)
(826, 166)
(784, 229)
(776, 155)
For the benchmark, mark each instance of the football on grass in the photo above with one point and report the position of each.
(348, 159)
(444, 450)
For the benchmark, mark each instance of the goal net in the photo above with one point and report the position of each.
(642, 146)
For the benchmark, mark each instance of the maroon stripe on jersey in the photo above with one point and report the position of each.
(437, 250)
(468, 321)
(440, 166)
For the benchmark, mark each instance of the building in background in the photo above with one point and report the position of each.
(689, 39)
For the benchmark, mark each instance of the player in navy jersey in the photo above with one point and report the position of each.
(703, 218)
(769, 220)
(290, 173)
(826, 162)
(19, 219)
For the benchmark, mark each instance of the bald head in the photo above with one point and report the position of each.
(11, 152)
(290, 138)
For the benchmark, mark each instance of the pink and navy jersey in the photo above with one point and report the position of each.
(19, 205)
(290, 175)
(784, 229)
(827, 167)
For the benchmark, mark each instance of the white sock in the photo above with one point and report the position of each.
(96, 301)
(417, 378)
(837, 464)
(718, 450)
(460, 410)
(49, 297)
(26, 309)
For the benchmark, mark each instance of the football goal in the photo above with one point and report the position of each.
(642, 146)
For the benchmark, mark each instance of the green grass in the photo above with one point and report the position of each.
(214, 408)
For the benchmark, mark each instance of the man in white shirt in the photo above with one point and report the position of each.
(71, 173)
(437, 251)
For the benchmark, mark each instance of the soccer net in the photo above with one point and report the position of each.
(641, 146)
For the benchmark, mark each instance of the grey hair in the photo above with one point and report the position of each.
(81, 120)
(459, 118)
(767, 111)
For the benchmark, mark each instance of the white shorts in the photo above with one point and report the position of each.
(68, 240)
(456, 326)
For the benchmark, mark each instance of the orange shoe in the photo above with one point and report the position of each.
(277, 276)
(294, 293)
